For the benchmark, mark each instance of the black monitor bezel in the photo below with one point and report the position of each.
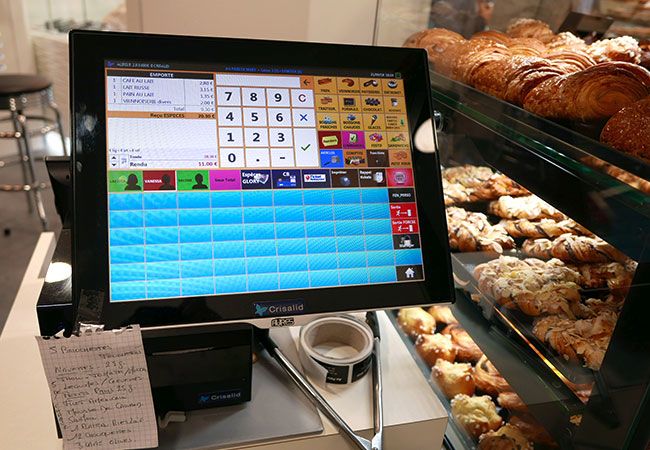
(88, 52)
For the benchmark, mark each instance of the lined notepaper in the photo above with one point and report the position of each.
(100, 389)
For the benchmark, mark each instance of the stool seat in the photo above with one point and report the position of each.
(16, 84)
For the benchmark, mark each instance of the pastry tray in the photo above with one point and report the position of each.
(455, 432)
(522, 324)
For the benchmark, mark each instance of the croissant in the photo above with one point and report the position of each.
(526, 47)
(629, 130)
(571, 60)
(591, 94)
(494, 36)
(414, 39)
(477, 53)
(523, 74)
(444, 61)
(437, 40)
(624, 48)
(530, 28)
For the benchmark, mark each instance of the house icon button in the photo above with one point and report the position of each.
(409, 272)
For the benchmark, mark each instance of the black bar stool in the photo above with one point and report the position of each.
(19, 92)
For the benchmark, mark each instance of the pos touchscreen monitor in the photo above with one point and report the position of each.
(238, 180)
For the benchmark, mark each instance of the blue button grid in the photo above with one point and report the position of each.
(170, 244)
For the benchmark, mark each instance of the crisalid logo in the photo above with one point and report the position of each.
(213, 398)
(279, 308)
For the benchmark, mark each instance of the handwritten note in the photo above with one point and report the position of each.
(100, 389)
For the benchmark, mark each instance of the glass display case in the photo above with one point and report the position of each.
(548, 215)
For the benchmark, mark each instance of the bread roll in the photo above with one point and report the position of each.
(432, 347)
(453, 378)
(416, 321)
(591, 94)
(629, 130)
(477, 415)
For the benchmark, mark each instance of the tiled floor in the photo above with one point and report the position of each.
(20, 229)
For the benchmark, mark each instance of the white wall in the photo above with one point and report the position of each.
(342, 21)
(15, 45)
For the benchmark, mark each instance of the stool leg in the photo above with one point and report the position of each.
(59, 122)
(23, 160)
(36, 189)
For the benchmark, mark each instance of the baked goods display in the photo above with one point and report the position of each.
(556, 76)
(508, 437)
(453, 378)
(477, 415)
(629, 130)
(480, 399)
(416, 321)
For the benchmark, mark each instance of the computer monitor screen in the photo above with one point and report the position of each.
(224, 182)
(250, 187)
